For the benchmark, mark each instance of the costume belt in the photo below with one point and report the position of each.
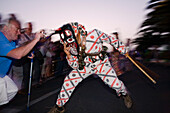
(82, 55)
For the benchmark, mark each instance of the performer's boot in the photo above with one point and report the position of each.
(127, 100)
(57, 109)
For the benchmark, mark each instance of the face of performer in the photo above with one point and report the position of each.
(28, 30)
(68, 37)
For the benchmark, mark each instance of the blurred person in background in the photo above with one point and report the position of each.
(8, 51)
(48, 62)
(128, 65)
(118, 61)
(59, 59)
(115, 59)
(0, 18)
(25, 38)
(0, 22)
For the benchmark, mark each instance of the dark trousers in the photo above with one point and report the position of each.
(36, 72)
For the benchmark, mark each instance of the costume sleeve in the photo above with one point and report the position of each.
(73, 62)
(5, 48)
(112, 40)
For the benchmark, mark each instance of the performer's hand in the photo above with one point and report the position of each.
(126, 54)
(67, 50)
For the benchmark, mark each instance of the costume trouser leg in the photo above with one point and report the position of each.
(70, 82)
(109, 77)
(104, 71)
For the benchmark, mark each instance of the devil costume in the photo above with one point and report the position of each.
(88, 58)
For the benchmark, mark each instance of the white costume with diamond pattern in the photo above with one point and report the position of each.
(102, 68)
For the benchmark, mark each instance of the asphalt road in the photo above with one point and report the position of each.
(93, 96)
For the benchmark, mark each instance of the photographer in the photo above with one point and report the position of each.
(8, 52)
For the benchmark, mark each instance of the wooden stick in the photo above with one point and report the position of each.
(140, 68)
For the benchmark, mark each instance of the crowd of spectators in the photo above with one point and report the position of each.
(48, 60)
(9, 35)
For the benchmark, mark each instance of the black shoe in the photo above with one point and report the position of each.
(127, 101)
(38, 85)
(23, 92)
(56, 109)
